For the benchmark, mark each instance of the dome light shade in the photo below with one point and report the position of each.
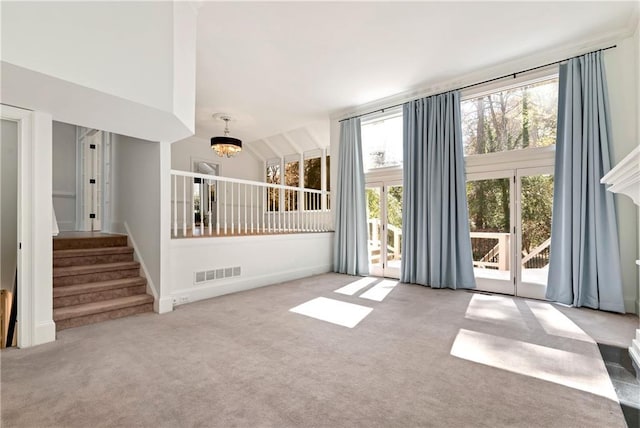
(226, 146)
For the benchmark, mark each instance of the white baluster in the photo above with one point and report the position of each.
(200, 185)
(269, 207)
(184, 206)
(225, 207)
(209, 206)
(245, 210)
(280, 207)
(231, 213)
(250, 198)
(175, 206)
(265, 202)
(217, 202)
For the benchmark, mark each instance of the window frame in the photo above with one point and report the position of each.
(518, 158)
(384, 114)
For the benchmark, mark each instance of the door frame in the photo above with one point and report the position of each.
(34, 228)
(103, 193)
(493, 285)
(516, 286)
(523, 289)
(383, 269)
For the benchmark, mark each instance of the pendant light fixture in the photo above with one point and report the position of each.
(225, 146)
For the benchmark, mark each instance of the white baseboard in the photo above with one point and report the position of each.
(44, 333)
(150, 285)
(163, 305)
(215, 289)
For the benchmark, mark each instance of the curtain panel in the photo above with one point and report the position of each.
(584, 268)
(436, 243)
(350, 254)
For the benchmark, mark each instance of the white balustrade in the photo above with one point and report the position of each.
(209, 205)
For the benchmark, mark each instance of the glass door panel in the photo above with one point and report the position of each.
(535, 201)
(394, 231)
(490, 220)
(374, 229)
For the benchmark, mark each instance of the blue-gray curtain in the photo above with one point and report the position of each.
(350, 240)
(584, 268)
(436, 245)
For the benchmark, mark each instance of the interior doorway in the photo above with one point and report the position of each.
(510, 224)
(384, 226)
(93, 154)
(8, 230)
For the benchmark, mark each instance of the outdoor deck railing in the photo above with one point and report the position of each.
(208, 205)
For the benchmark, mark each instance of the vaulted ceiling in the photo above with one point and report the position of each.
(281, 69)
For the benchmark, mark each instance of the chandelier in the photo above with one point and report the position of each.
(226, 146)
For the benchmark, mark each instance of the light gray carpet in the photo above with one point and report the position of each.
(244, 360)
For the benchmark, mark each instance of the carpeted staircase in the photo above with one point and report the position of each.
(95, 279)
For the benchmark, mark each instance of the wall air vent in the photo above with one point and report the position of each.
(216, 274)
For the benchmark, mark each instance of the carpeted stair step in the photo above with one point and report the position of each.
(69, 295)
(74, 243)
(71, 275)
(88, 313)
(92, 256)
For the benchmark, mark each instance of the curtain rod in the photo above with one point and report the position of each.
(482, 83)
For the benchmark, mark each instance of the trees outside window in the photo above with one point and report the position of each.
(273, 195)
(511, 119)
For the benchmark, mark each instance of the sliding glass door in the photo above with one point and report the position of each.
(510, 225)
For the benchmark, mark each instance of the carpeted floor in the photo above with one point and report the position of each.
(420, 357)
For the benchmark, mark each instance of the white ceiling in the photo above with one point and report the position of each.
(277, 67)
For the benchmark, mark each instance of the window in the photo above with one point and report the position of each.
(511, 119)
(382, 140)
(273, 177)
(313, 180)
(291, 178)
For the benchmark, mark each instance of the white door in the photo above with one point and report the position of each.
(90, 179)
(384, 225)
(534, 202)
(491, 223)
(510, 225)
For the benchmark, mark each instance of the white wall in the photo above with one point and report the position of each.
(75, 41)
(136, 199)
(9, 203)
(622, 80)
(244, 165)
(66, 59)
(264, 260)
(64, 174)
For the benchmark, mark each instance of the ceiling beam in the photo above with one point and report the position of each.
(272, 147)
(293, 144)
(314, 138)
(255, 153)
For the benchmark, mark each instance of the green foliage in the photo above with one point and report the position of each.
(537, 198)
(512, 119)
(518, 118)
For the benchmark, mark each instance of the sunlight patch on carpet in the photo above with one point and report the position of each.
(566, 368)
(333, 311)
(355, 286)
(497, 309)
(556, 323)
(379, 291)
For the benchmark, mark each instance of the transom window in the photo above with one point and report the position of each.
(511, 119)
(382, 140)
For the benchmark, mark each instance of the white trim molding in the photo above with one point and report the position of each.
(624, 178)
(35, 210)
